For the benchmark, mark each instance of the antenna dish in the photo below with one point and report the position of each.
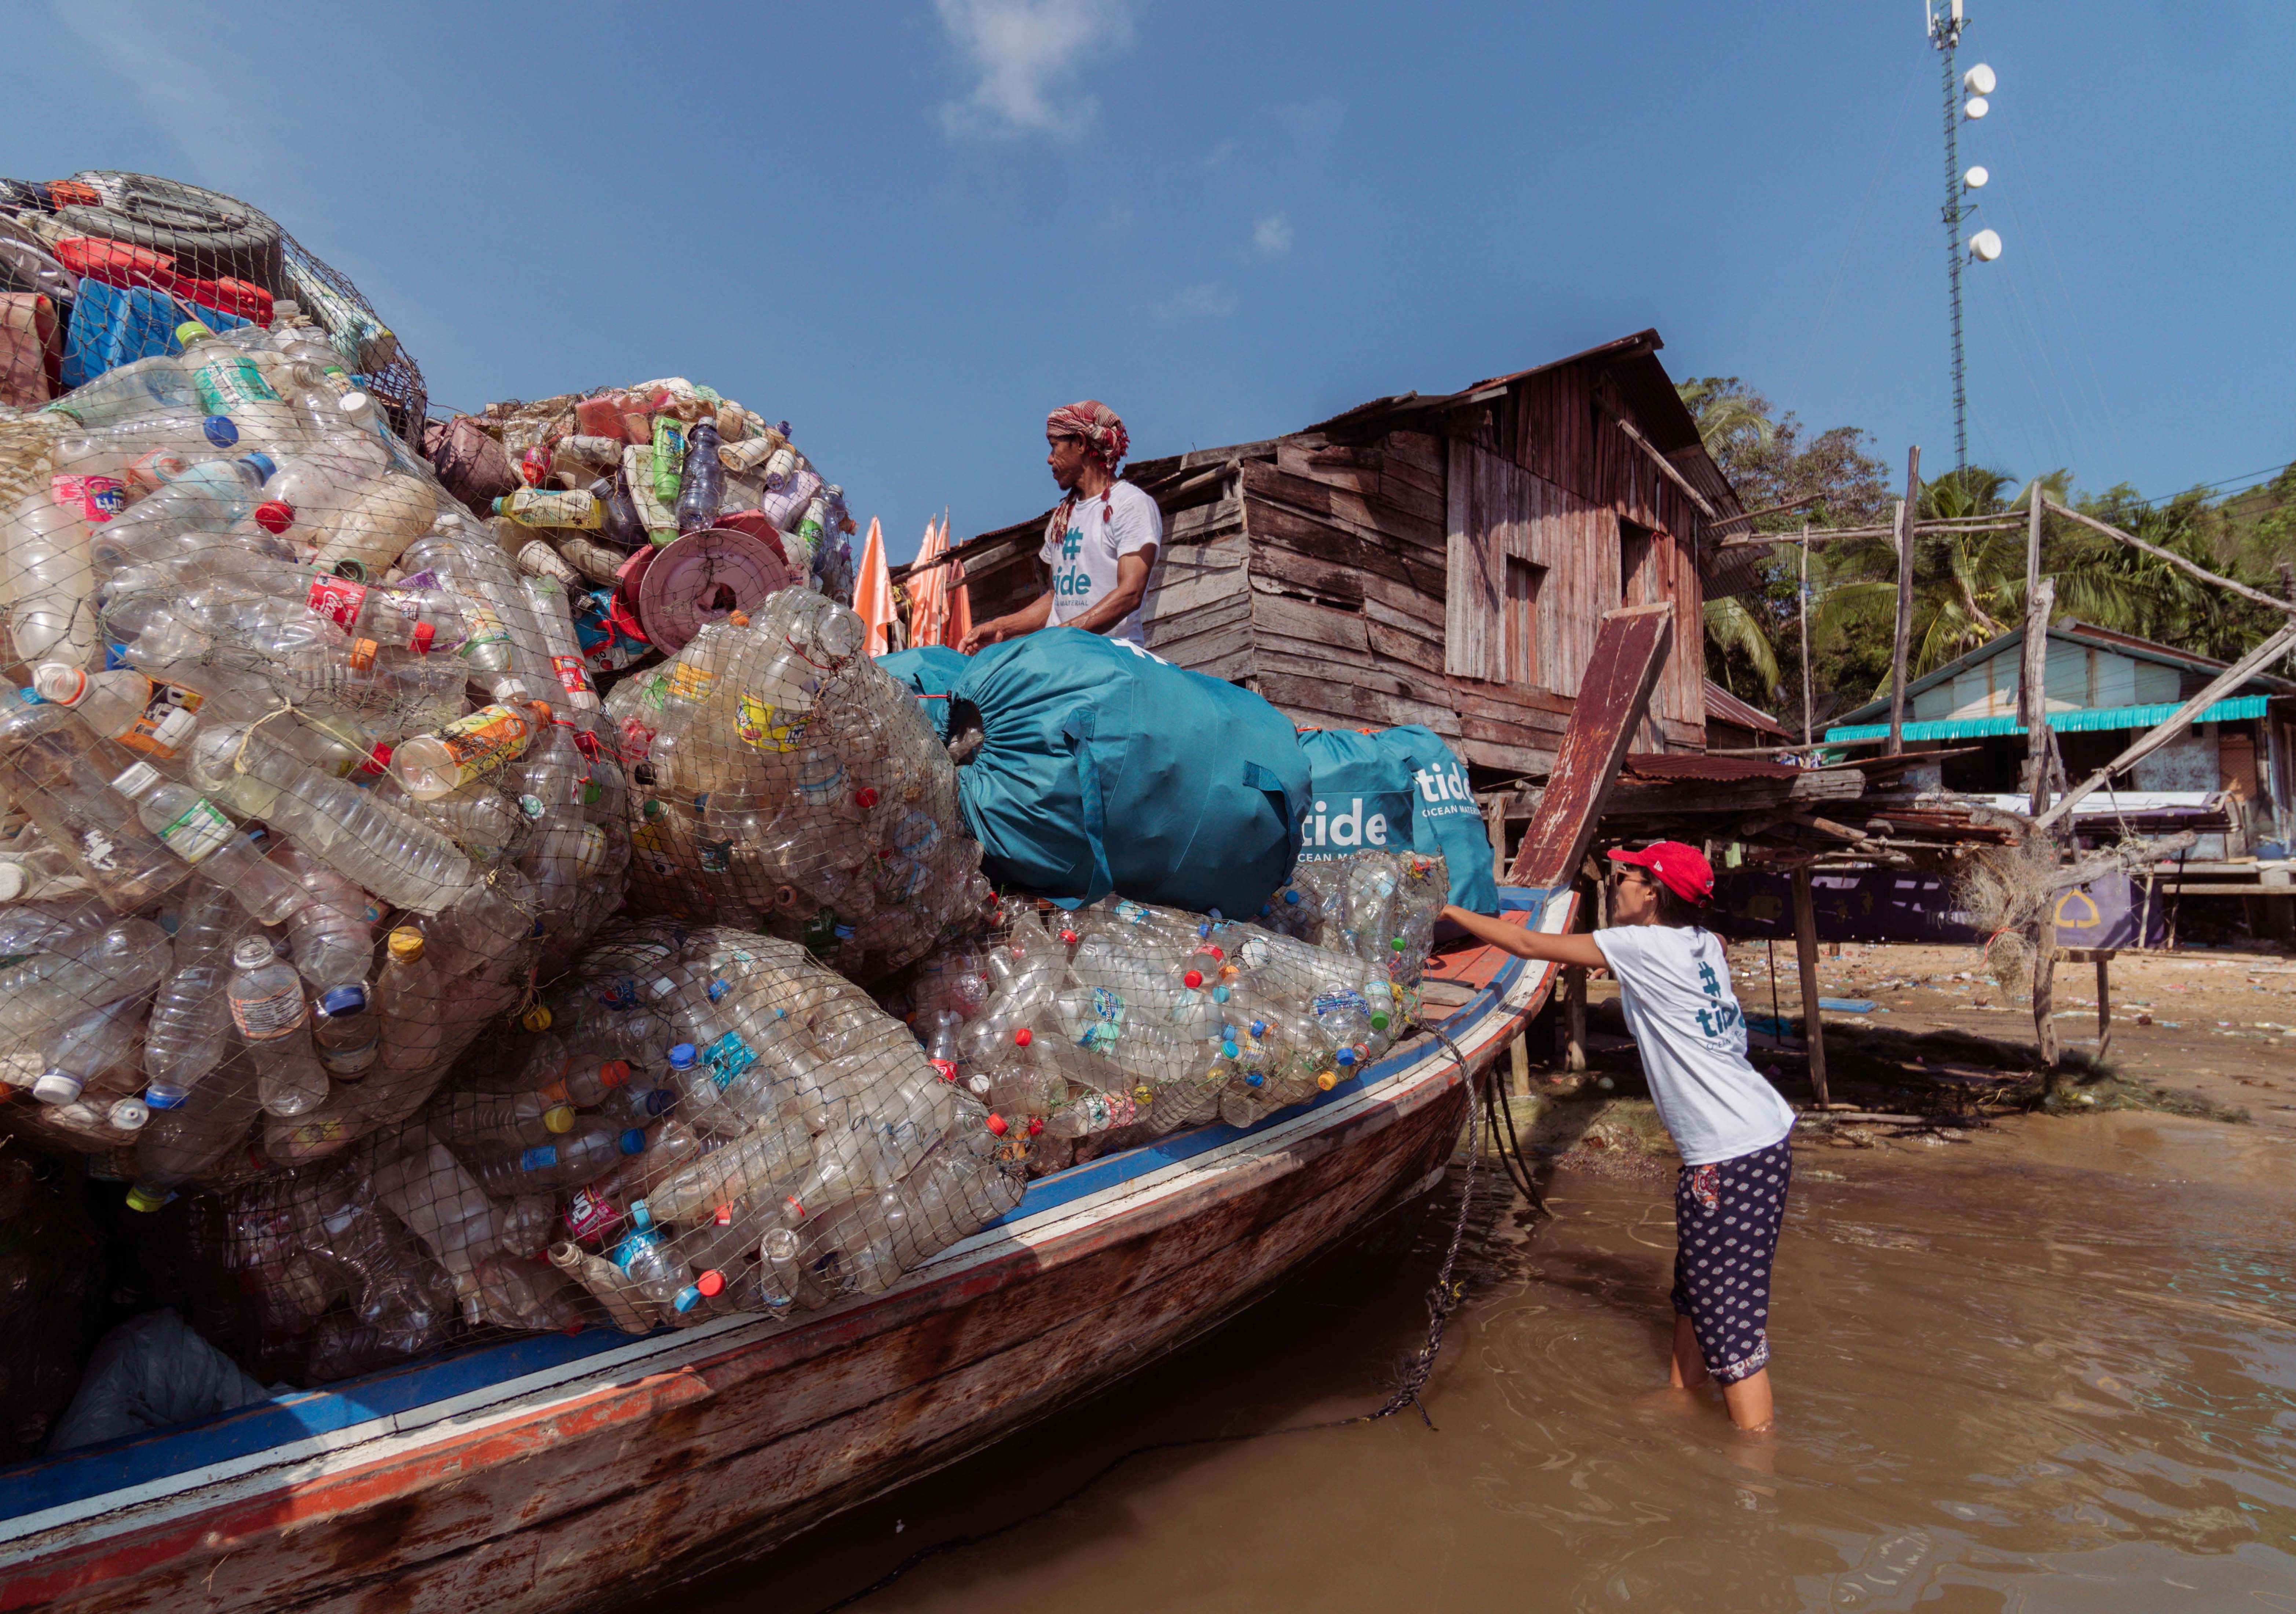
(1985, 246)
(1979, 80)
(1975, 107)
(1976, 178)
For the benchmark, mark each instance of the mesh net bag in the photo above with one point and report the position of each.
(597, 482)
(303, 782)
(785, 782)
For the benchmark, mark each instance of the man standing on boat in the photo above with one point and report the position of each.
(1100, 544)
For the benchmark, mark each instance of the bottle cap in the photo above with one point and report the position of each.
(997, 1124)
(406, 945)
(498, 504)
(1192, 978)
(54, 1087)
(632, 1141)
(1219, 994)
(641, 1215)
(219, 430)
(343, 1000)
(681, 1057)
(1328, 1080)
(711, 1283)
(1227, 1050)
(135, 779)
(1398, 944)
(1023, 1037)
(687, 1298)
(253, 953)
(614, 1072)
(1292, 898)
(1379, 1020)
(140, 1197)
(192, 331)
(173, 724)
(59, 682)
(1345, 1056)
(353, 401)
(866, 797)
(275, 515)
(158, 1097)
(13, 881)
(129, 1114)
(1068, 938)
(558, 1118)
(265, 465)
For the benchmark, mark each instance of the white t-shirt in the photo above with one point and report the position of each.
(1674, 984)
(1083, 557)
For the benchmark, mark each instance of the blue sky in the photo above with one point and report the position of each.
(910, 228)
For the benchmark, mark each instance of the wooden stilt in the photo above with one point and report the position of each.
(2045, 989)
(1813, 1022)
(2103, 1008)
(1574, 1018)
(1519, 1067)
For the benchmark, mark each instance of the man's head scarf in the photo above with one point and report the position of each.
(1096, 423)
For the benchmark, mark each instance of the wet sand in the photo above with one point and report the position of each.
(2053, 1368)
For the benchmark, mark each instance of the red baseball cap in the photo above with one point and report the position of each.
(1681, 869)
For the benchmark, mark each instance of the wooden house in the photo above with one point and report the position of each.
(2103, 688)
(1733, 724)
(1440, 560)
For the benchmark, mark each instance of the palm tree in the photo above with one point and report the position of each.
(1732, 420)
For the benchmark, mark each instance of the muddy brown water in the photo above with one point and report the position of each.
(2054, 1369)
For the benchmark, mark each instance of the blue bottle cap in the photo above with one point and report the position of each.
(539, 1158)
(218, 429)
(164, 1098)
(1219, 994)
(681, 1057)
(641, 1215)
(1292, 897)
(658, 1100)
(1254, 1079)
(265, 465)
(687, 1298)
(343, 1000)
(1345, 1056)
(632, 1142)
(1259, 1027)
(1227, 1050)
(718, 989)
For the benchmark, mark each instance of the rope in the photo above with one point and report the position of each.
(1443, 1298)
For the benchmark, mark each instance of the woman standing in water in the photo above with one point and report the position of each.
(1731, 1127)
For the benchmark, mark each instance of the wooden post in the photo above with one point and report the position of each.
(1494, 824)
(2045, 985)
(2104, 1006)
(1519, 1065)
(1574, 1017)
(1813, 1022)
(1808, 700)
(1902, 642)
(2033, 698)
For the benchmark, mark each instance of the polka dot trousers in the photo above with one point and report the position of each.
(1726, 1217)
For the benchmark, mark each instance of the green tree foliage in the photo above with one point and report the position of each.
(1969, 586)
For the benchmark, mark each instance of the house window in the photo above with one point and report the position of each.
(1519, 617)
(1635, 544)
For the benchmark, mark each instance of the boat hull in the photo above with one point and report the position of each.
(644, 1462)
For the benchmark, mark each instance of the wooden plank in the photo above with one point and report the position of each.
(1502, 699)
(1212, 652)
(1813, 1019)
(1352, 705)
(1629, 651)
(1481, 752)
(1412, 649)
(1276, 526)
(1279, 615)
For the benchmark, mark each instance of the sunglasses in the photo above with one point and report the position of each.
(1620, 877)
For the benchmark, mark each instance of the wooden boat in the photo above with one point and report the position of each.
(556, 1472)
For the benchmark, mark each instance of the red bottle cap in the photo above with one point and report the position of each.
(614, 1072)
(1068, 938)
(710, 1283)
(1193, 977)
(867, 795)
(1036, 1124)
(1023, 1037)
(997, 1125)
(1216, 953)
(275, 515)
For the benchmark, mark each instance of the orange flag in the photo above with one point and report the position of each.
(873, 591)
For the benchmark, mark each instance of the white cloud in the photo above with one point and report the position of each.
(1221, 152)
(1209, 300)
(1271, 237)
(1027, 54)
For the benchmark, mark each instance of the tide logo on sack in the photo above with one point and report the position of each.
(1443, 790)
(1352, 829)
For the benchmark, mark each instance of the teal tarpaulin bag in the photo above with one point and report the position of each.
(1401, 789)
(932, 671)
(1102, 768)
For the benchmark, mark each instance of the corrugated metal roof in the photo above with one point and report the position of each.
(2080, 720)
(1721, 704)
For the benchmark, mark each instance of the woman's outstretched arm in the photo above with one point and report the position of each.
(1579, 949)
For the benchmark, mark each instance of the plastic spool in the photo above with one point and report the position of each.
(705, 577)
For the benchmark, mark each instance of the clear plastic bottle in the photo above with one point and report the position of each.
(332, 936)
(78, 1050)
(402, 861)
(433, 765)
(584, 1152)
(188, 1140)
(702, 487)
(645, 1263)
(197, 830)
(153, 719)
(347, 1033)
(59, 772)
(275, 1021)
(506, 1120)
(158, 385)
(389, 513)
(554, 616)
(410, 1002)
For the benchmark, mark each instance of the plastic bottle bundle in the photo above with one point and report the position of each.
(266, 694)
(589, 480)
(1122, 1021)
(784, 782)
(787, 1144)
